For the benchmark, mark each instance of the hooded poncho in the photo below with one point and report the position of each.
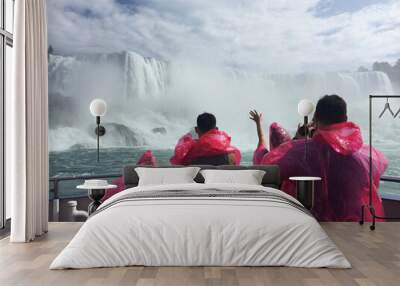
(212, 143)
(337, 154)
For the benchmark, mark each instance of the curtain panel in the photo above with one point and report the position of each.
(27, 122)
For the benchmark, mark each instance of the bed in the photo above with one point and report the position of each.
(197, 224)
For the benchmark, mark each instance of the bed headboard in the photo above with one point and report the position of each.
(271, 177)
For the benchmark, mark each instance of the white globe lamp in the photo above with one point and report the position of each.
(305, 107)
(98, 108)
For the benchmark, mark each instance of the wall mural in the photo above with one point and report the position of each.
(158, 64)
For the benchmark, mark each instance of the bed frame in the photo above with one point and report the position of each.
(270, 179)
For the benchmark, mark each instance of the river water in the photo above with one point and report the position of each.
(84, 162)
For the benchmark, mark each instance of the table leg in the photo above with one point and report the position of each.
(305, 193)
(95, 195)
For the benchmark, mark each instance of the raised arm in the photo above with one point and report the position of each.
(257, 118)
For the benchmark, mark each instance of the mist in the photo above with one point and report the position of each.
(147, 94)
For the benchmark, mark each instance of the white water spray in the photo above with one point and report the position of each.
(145, 93)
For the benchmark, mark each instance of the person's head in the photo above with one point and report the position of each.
(205, 122)
(330, 109)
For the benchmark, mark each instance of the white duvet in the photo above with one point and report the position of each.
(200, 231)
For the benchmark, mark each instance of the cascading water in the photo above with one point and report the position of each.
(145, 94)
(144, 77)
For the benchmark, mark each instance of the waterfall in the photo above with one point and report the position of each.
(145, 94)
(125, 73)
(144, 77)
(370, 82)
(348, 84)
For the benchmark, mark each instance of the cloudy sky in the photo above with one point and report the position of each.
(279, 36)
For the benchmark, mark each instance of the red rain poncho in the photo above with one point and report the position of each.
(337, 155)
(147, 159)
(212, 143)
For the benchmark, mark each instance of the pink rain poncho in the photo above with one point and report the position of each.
(336, 154)
(277, 135)
(212, 143)
(147, 159)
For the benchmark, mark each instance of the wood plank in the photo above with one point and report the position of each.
(375, 257)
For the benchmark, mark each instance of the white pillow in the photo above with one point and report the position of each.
(248, 177)
(166, 176)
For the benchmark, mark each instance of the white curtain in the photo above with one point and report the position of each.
(27, 123)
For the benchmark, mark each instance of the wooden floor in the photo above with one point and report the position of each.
(375, 257)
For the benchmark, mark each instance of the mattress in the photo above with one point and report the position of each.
(201, 225)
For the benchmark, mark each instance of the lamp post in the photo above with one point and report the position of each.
(98, 108)
(305, 108)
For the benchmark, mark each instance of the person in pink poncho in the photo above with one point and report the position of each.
(337, 154)
(213, 147)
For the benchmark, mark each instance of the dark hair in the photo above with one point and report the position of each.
(206, 122)
(331, 109)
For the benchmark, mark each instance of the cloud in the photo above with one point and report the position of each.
(268, 35)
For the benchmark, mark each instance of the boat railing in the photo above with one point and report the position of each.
(391, 179)
(391, 196)
(55, 187)
(54, 181)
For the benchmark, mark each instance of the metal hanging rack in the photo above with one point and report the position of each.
(370, 205)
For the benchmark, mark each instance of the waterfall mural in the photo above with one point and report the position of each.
(146, 95)
(159, 65)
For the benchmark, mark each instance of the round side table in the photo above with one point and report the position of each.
(305, 188)
(95, 194)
